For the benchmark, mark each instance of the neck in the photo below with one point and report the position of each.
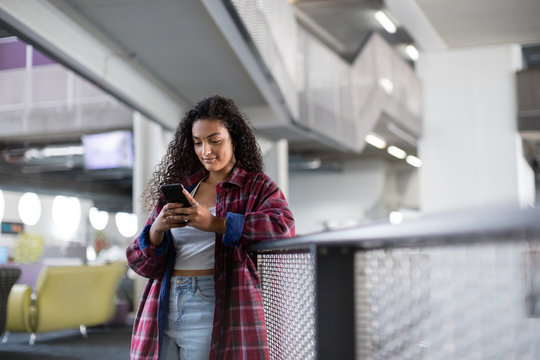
(215, 178)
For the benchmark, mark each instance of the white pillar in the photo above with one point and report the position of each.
(276, 161)
(150, 142)
(471, 149)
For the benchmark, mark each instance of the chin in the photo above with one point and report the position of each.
(212, 167)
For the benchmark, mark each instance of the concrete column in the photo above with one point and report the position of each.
(276, 161)
(149, 142)
(471, 149)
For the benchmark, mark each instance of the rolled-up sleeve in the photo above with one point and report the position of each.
(144, 258)
(267, 215)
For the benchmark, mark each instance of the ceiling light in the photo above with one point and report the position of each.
(396, 217)
(376, 141)
(341, 224)
(52, 151)
(313, 164)
(387, 85)
(397, 152)
(62, 151)
(126, 224)
(98, 219)
(66, 214)
(414, 161)
(412, 52)
(29, 208)
(385, 22)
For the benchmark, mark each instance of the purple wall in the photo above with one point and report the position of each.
(13, 55)
(39, 59)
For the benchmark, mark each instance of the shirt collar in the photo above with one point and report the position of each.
(237, 177)
(192, 180)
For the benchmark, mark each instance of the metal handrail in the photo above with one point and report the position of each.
(433, 230)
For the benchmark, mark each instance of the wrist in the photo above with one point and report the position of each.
(220, 225)
(155, 237)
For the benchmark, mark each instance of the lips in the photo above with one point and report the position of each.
(208, 160)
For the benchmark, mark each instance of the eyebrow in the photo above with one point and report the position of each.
(209, 136)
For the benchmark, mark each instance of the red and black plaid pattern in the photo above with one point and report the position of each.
(259, 212)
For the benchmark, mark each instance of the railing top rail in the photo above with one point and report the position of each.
(466, 227)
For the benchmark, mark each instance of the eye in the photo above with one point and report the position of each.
(197, 143)
(215, 141)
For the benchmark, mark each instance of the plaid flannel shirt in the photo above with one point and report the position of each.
(256, 210)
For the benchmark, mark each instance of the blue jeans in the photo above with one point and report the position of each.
(191, 311)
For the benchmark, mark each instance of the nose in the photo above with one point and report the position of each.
(206, 149)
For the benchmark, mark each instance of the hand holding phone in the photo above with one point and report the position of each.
(173, 194)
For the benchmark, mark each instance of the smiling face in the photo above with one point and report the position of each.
(213, 145)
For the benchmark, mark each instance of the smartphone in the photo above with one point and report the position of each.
(173, 194)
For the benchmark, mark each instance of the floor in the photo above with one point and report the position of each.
(111, 343)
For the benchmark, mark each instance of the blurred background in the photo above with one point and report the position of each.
(366, 110)
(369, 113)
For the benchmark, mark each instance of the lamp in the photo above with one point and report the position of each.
(98, 219)
(126, 224)
(29, 208)
(66, 214)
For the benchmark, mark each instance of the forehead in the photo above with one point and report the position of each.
(206, 127)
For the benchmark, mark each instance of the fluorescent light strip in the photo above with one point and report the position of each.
(414, 161)
(62, 151)
(385, 22)
(412, 52)
(396, 152)
(387, 85)
(376, 141)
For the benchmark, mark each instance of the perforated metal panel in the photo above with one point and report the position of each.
(463, 302)
(478, 301)
(391, 303)
(289, 303)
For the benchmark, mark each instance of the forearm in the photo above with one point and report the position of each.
(218, 225)
(145, 258)
(155, 237)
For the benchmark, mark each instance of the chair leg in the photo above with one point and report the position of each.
(32, 340)
(82, 328)
(5, 337)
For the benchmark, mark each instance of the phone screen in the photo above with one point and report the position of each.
(173, 194)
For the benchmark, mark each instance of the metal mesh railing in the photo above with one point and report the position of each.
(288, 286)
(462, 302)
(468, 295)
(391, 302)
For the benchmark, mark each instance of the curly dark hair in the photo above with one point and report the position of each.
(180, 159)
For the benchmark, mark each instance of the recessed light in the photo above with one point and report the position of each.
(412, 52)
(414, 161)
(396, 152)
(376, 141)
(385, 22)
(387, 85)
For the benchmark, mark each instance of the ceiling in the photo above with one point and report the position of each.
(160, 37)
(179, 45)
(463, 23)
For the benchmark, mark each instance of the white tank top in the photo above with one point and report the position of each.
(194, 247)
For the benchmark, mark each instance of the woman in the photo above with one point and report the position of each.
(203, 298)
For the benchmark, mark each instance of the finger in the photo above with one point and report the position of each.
(185, 211)
(177, 219)
(189, 197)
(172, 206)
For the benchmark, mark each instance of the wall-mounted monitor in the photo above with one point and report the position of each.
(108, 150)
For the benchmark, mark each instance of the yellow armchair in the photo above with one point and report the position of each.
(65, 297)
